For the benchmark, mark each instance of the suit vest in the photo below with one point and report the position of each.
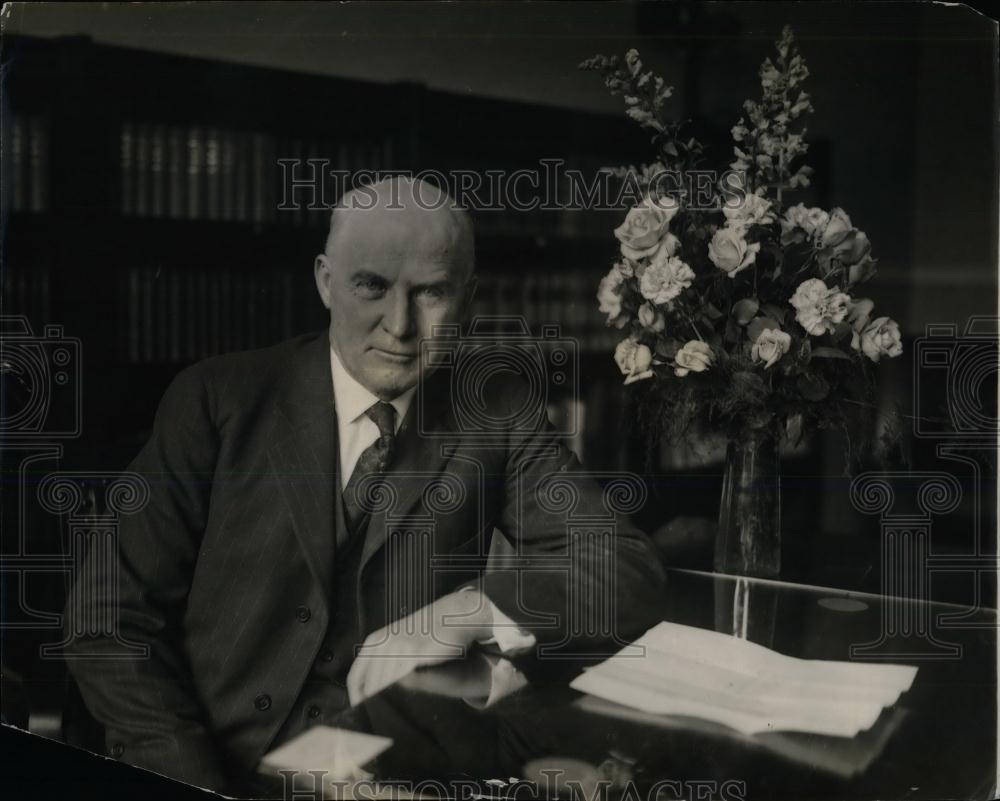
(324, 694)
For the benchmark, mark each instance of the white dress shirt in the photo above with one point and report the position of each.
(356, 431)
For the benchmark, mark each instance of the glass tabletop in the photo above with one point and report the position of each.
(938, 741)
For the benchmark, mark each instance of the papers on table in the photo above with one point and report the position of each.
(339, 752)
(705, 674)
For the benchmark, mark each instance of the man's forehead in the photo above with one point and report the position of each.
(380, 224)
(399, 245)
(409, 269)
(398, 233)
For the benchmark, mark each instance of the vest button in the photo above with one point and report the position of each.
(326, 655)
(313, 711)
(303, 613)
(262, 702)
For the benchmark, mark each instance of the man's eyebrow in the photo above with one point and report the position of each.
(440, 283)
(368, 275)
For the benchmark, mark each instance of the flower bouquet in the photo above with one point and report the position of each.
(740, 312)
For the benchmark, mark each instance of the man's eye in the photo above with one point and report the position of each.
(369, 288)
(432, 292)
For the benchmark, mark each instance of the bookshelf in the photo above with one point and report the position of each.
(143, 208)
(182, 192)
(29, 147)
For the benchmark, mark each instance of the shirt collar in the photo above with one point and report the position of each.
(352, 399)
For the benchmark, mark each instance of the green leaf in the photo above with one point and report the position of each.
(793, 429)
(774, 312)
(758, 324)
(732, 331)
(797, 358)
(842, 330)
(712, 312)
(813, 387)
(745, 382)
(824, 352)
(744, 310)
(668, 348)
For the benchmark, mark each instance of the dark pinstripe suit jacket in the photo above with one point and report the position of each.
(238, 539)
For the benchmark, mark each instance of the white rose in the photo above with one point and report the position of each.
(813, 221)
(668, 246)
(881, 338)
(837, 229)
(651, 319)
(753, 210)
(609, 293)
(852, 248)
(644, 227)
(796, 216)
(818, 308)
(730, 252)
(694, 357)
(634, 360)
(771, 345)
(792, 222)
(665, 278)
(816, 221)
(858, 313)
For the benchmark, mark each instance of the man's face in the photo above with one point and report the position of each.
(388, 278)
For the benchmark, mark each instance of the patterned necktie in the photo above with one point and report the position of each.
(374, 459)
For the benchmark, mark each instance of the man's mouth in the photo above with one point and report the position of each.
(400, 357)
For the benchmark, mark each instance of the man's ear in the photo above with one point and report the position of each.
(324, 276)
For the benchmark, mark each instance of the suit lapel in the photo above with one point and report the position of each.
(304, 457)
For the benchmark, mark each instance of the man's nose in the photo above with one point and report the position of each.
(398, 317)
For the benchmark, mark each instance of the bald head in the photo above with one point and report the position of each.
(413, 214)
(398, 262)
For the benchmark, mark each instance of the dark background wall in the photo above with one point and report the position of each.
(904, 133)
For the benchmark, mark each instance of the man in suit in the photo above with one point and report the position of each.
(320, 515)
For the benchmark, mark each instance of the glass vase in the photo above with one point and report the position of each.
(748, 541)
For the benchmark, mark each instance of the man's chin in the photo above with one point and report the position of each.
(389, 383)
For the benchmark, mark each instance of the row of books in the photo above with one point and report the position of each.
(26, 292)
(205, 173)
(566, 301)
(175, 316)
(208, 173)
(28, 180)
(181, 316)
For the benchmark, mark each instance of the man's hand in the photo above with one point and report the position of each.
(440, 631)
